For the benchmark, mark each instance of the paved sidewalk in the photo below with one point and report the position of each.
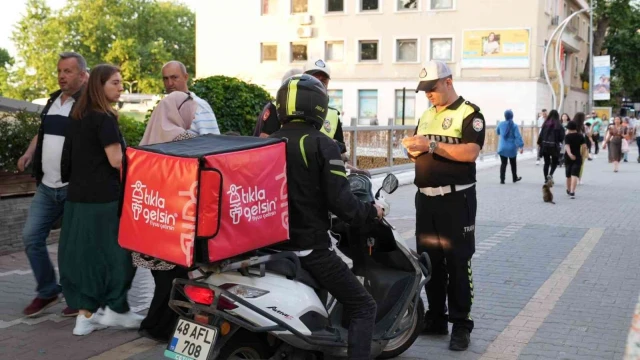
(551, 281)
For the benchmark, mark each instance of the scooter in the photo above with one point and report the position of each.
(264, 305)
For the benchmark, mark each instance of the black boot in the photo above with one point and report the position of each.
(516, 179)
(460, 338)
(436, 324)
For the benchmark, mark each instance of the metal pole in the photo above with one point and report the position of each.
(404, 92)
(591, 55)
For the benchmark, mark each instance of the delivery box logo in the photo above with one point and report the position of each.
(151, 206)
(250, 203)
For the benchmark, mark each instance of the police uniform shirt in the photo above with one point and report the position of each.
(446, 126)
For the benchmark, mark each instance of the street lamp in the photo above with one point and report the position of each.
(591, 55)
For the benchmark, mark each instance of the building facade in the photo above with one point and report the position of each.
(375, 49)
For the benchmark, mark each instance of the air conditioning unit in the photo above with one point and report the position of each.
(305, 32)
(306, 19)
(555, 20)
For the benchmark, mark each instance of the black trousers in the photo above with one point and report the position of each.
(550, 161)
(596, 139)
(161, 320)
(503, 167)
(336, 277)
(445, 229)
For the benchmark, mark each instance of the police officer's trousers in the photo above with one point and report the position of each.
(445, 229)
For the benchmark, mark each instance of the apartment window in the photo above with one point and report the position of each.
(409, 107)
(335, 99)
(441, 4)
(298, 52)
(368, 105)
(335, 5)
(269, 7)
(334, 51)
(269, 52)
(442, 49)
(575, 67)
(407, 50)
(368, 50)
(406, 5)
(369, 5)
(299, 6)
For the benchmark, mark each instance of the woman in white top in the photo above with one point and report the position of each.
(491, 46)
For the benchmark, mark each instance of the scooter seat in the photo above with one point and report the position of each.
(288, 268)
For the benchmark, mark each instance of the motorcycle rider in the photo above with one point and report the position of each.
(317, 184)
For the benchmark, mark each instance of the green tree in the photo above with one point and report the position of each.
(236, 103)
(5, 58)
(615, 33)
(139, 36)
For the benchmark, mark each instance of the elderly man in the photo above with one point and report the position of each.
(45, 151)
(175, 77)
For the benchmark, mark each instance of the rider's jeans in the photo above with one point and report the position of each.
(334, 275)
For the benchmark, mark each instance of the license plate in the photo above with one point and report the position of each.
(191, 341)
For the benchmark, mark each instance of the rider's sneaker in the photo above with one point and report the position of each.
(460, 338)
(436, 324)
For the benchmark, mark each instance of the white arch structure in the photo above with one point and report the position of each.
(561, 27)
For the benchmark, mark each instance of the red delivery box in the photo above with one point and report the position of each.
(204, 199)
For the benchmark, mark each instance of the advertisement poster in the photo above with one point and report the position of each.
(604, 113)
(601, 77)
(495, 48)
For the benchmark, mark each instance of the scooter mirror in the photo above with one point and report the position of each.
(390, 184)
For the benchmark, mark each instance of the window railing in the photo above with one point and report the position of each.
(379, 148)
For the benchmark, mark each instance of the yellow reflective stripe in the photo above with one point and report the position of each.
(292, 94)
(304, 154)
(339, 173)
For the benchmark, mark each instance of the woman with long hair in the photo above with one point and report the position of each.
(613, 140)
(550, 140)
(170, 121)
(95, 272)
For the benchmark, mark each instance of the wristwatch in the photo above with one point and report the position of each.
(432, 146)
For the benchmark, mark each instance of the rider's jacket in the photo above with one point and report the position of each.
(317, 184)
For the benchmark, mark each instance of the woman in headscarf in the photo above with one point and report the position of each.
(169, 121)
(509, 143)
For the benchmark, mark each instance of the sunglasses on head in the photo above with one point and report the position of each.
(185, 100)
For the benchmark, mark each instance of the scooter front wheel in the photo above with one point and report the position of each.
(402, 343)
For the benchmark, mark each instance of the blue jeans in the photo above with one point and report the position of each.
(47, 206)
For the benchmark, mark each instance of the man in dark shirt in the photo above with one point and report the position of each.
(573, 158)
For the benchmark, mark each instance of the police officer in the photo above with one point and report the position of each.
(317, 183)
(268, 122)
(446, 144)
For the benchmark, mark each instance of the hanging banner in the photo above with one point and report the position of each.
(495, 48)
(602, 77)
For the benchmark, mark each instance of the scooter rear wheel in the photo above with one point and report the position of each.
(397, 346)
(245, 345)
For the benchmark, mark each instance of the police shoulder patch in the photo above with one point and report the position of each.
(446, 124)
(478, 124)
(267, 112)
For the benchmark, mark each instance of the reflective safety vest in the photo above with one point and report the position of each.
(330, 125)
(447, 123)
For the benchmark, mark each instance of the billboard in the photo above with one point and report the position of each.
(495, 48)
(601, 77)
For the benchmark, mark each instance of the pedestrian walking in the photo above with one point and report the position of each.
(509, 143)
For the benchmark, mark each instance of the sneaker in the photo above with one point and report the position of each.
(517, 179)
(87, 325)
(537, 162)
(69, 312)
(460, 338)
(39, 305)
(129, 320)
(572, 195)
(436, 325)
(568, 192)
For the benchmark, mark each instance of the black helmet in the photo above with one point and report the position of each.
(302, 97)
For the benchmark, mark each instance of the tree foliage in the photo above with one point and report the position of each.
(139, 36)
(236, 103)
(616, 23)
